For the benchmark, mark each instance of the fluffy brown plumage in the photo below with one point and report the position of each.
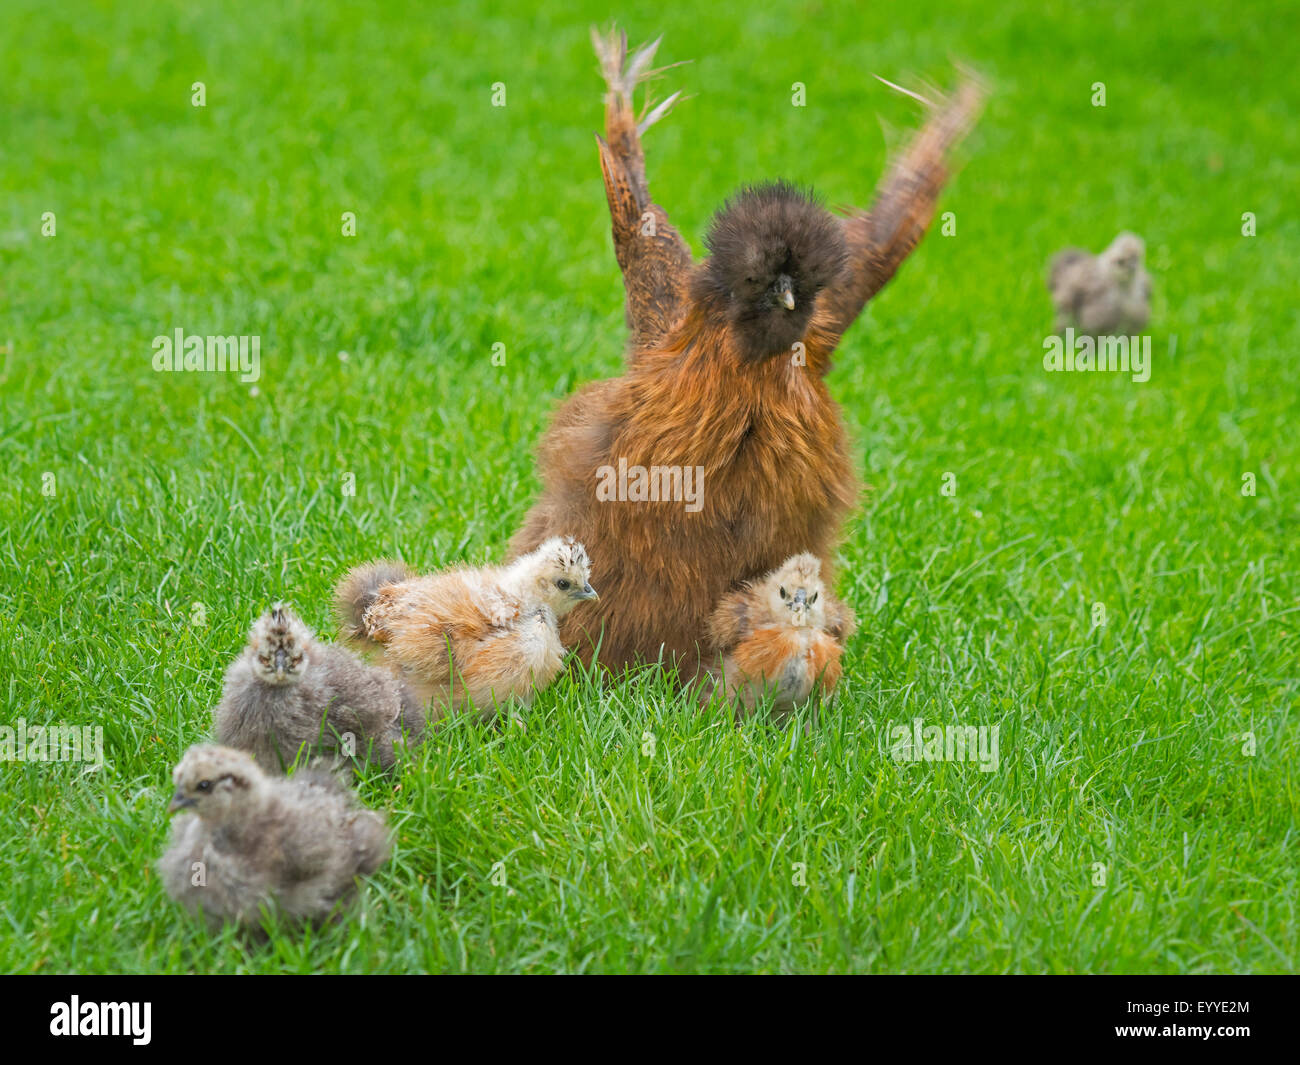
(1105, 294)
(248, 841)
(725, 374)
(465, 637)
(289, 694)
(780, 637)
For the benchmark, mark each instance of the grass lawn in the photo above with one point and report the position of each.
(1143, 813)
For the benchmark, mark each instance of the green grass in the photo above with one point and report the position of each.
(1120, 744)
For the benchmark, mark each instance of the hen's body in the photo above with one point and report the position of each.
(777, 480)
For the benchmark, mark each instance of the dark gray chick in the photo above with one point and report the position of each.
(288, 693)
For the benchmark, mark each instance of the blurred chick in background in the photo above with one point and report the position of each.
(1101, 295)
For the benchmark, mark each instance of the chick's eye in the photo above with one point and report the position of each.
(562, 584)
(813, 598)
(205, 785)
(784, 594)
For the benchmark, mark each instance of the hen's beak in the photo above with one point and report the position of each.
(785, 292)
(179, 802)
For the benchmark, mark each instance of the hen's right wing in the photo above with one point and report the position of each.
(655, 261)
(881, 238)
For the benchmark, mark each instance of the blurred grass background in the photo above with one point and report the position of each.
(1120, 745)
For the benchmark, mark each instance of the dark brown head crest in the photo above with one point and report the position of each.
(772, 249)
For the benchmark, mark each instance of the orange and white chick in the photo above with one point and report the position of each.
(469, 637)
(780, 636)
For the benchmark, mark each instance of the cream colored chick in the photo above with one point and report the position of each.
(248, 841)
(467, 637)
(782, 636)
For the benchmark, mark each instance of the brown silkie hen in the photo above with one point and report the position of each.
(781, 636)
(250, 841)
(467, 637)
(724, 391)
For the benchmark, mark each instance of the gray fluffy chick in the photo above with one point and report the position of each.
(288, 692)
(294, 845)
(1102, 295)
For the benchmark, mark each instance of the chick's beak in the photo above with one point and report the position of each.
(586, 592)
(785, 292)
(179, 802)
(280, 658)
(800, 599)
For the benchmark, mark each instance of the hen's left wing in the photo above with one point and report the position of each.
(881, 238)
(654, 259)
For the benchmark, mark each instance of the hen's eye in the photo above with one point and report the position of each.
(562, 584)
(205, 785)
(784, 594)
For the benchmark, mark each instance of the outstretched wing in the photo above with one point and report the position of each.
(655, 261)
(881, 238)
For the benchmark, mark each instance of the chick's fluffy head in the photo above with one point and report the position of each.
(772, 249)
(1125, 254)
(793, 592)
(217, 783)
(278, 646)
(560, 572)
